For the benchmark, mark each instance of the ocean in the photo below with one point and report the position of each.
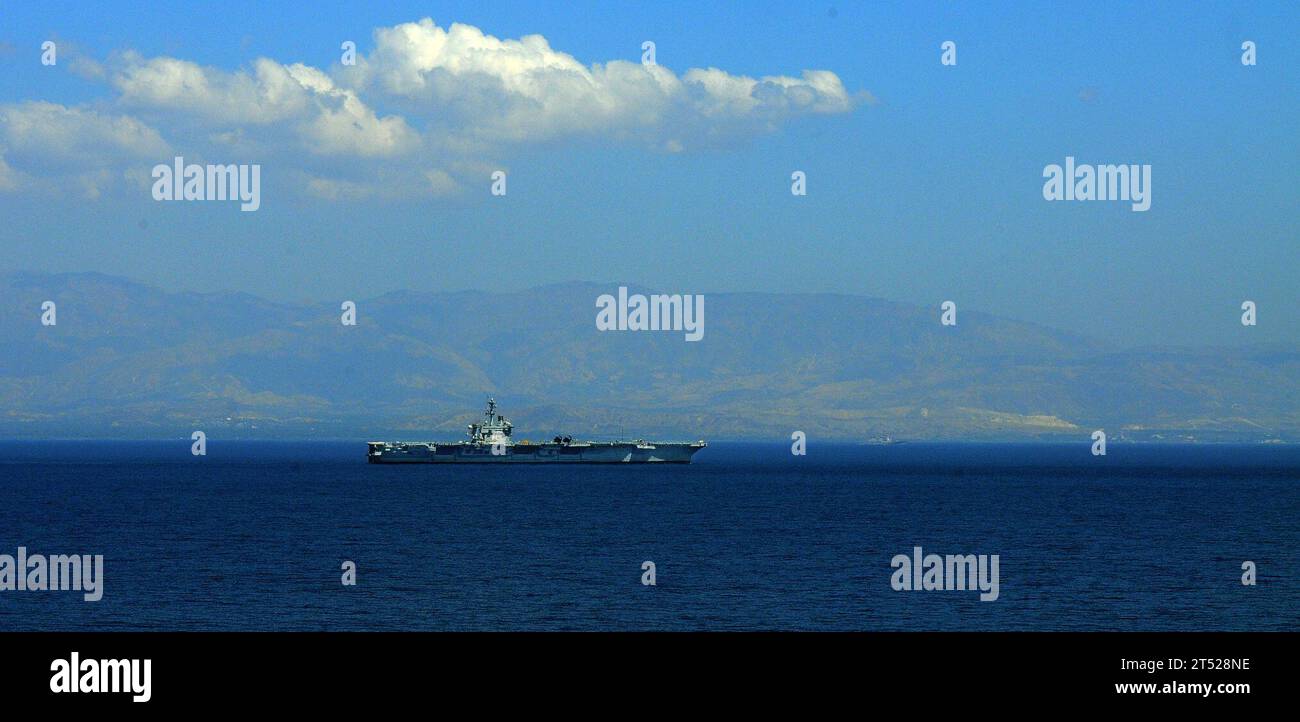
(253, 535)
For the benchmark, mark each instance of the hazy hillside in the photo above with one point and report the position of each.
(127, 360)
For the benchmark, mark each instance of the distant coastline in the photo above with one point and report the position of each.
(127, 360)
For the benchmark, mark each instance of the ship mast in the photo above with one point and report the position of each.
(495, 428)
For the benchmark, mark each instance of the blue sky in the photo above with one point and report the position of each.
(924, 181)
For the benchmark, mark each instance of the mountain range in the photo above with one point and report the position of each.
(127, 360)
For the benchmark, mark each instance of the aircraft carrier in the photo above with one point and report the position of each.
(490, 443)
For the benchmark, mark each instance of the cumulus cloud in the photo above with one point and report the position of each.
(522, 90)
(425, 106)
(328, 119)
(75, 135)
(267, 95)
(51, 142)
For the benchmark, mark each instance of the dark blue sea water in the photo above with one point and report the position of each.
(252, 536)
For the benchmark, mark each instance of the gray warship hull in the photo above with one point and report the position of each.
(490, 442)
(421, 452)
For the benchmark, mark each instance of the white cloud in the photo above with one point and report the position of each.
(268, 95)
(75, 135)
(817, 91)
(455, 101)
(343, 125)
(49, 144)
(440, 182)
(523, 90)
(9, 179)
(328, 120)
